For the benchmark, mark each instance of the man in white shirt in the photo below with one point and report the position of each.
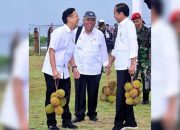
(90, 55)
(14, 114)
(165, 72)
(55, 67)
(124, 54)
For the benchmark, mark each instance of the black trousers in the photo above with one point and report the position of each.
(124, 112)
(91, 82)
(7, 128)
(64, 84)
(156, 125)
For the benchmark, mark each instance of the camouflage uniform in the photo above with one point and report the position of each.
(143, 66)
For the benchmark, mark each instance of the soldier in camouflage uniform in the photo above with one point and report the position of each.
(143, 66)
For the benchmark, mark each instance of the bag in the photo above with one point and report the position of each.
(78, 33)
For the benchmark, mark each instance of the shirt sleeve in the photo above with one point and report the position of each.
(170, 64)
(104, 53)
(55, 39)
(21, 62)
(132, 36)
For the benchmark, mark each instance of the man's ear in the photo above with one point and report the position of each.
(68, 19)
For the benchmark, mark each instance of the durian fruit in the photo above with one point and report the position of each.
(128, 86)
(127, 94)
(53, 95)
(49, 109)
(139, 91)
(102, 97)
(137, 84)
(112, 84)
(60, 93)
(59, 110)
(103, 88)
(63, 102)
(129, 101)
(133, 93)
(138, 99)
(107, 91)
(114, 91)
(55, 101)
(111, 98)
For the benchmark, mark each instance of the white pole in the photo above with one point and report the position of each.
(174, 5)
(137, 6)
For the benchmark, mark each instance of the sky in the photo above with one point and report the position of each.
(21, 14)
(46, 12)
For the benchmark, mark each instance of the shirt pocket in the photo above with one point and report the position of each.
(95, 46)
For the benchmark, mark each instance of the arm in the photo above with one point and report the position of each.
(19, 103)
(104, 54)
(169, 119)
(132, 66)
(56, 74)
(74, 68)
(111, 60)
(133, 45)
(171, 68)
(54, 43)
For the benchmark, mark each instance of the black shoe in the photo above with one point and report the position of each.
(132, 126)
(77, 120)
(69, 125)
(117, 128)
(93, 119)
(53, 128)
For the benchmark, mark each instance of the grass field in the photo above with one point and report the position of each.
(106, 111)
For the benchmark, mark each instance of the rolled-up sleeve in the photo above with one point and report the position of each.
(133, 44)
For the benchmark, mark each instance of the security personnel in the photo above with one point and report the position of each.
(144, 43)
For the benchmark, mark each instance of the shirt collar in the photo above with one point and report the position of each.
(67, 28)
(124, 21)
(141, 29)
(83, 30)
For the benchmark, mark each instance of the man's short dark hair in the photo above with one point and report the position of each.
(122, 7)
(157, 5)
(66, 14)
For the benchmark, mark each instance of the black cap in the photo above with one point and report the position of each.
(90, 14)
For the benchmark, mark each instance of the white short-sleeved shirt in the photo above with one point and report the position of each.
(62, 41)
(91, 52)
(126, 45)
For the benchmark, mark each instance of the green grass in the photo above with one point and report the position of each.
(106, 111)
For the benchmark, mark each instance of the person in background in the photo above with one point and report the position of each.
(50, 30)
(36, 40)
(144, 44)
